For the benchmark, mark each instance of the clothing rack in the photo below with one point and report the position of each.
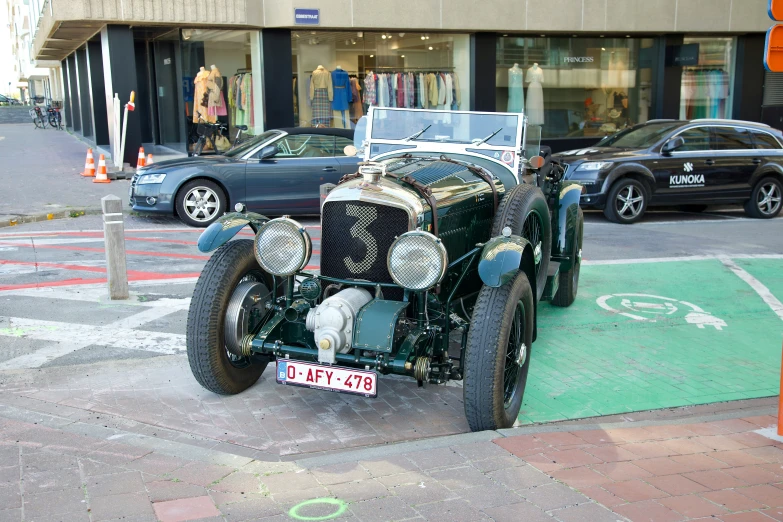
(244, 70)
(410, 69)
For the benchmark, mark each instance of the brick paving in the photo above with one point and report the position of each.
(718, 470)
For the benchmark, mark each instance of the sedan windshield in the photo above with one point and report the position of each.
(639, 137)
(251, 144)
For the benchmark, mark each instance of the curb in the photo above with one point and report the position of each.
(48, 216)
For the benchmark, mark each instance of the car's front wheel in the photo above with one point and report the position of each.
(228, 302)
(497, 355)
(568, 284)
(626, 202)
(766, 200)
(200, 202)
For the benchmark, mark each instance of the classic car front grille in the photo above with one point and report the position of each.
(355, 239)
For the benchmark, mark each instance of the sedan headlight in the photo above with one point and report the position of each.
(282, 247)
(146, 179)
(417, 260)
(594, 165)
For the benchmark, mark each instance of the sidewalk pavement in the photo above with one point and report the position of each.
(55, 467)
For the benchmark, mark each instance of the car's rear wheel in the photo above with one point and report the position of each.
(200, 202)
(569, 280)
(497, 355)
(626, 202)
(766, 200)
(524, 210)
(228, 302)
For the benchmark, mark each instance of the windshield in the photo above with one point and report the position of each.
(250, 144)
(499, 130)
(639, 137)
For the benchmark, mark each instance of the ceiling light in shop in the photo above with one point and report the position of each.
(603, 48)
(423, 37)
(187, 33)
(402, 56)
(383, 36)
(372, 56)
(430, 48)
(402, 34)
(543, 36)
(360, 34)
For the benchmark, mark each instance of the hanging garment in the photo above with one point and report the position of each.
(383, 90)
(341, 84)
(341, 119)
(432, 90)
(535, 96)
(449, 91)
(457, 94)
(370, 97)
(322, 107)
(516, 97)
(441, 91)
(215, 101)
(401, 90)
(357, 111)
(200, 89)
(322, 79)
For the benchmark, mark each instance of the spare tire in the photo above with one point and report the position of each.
(524, 210)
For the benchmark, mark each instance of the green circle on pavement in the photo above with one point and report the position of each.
(341, 507)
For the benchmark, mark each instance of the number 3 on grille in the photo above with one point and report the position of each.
(359, 231)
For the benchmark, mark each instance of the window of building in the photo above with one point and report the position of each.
(575, 87)
(339, 75)
(706, 88)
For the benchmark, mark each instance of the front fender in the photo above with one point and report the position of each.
(503, 257)
(227, 227)
(568, 209)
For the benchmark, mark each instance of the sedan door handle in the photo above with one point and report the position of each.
(709, 162)
(329, 169)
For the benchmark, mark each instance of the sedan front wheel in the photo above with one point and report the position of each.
(200, 202)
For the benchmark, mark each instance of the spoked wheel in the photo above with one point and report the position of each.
(228, 302)
(626, 202)
(200, 202)
(766, 199)
(37, 120)
(524, 210)
(497, 355)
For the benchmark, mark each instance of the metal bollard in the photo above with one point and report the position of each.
(114, 240)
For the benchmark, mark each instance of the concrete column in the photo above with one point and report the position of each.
(748, 78)
(277, 62)
(483, 56)
(73, 87)
(66, 86)
(119, 67)
(85, 100)
(97, 91)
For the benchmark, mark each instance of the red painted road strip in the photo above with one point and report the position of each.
(80, 268)
(102, 250)
(78, 281)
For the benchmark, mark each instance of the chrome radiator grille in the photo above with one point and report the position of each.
(355, 239)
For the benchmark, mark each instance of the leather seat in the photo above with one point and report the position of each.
(242, 127)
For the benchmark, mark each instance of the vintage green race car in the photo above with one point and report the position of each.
(434, 257)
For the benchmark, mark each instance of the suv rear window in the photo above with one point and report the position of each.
(765, 141)
(729, 138)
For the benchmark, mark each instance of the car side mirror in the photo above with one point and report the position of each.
(350, 150)
(672, 145)
(268, 152)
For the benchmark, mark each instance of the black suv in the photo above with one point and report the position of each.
(690, 164)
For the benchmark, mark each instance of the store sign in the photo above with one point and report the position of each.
(682, 55)
(578, 59)
(307, 16)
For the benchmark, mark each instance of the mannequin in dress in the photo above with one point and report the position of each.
(341, 83)
(321, 96)
(535, 95)
(216, 103)
(200, 104)
(516, 97)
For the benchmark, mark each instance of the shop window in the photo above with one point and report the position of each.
(339, 75)
(706, 86)
(696, 139)
(575, 87)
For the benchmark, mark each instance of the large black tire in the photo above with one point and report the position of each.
(491, 392)
(214, 200)
(568, 285)
(765, 200)
(521, 208)
(623, 189)
(210, 362)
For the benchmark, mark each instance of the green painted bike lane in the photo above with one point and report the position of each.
(656, 335)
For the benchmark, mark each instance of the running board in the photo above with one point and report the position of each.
(552, 281)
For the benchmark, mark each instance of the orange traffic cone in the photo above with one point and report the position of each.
(102, 176)
(89, 165)
(140, 162)
(149, 160)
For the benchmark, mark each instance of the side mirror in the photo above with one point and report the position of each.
(350, 150)
(672, 145)
(267, 152)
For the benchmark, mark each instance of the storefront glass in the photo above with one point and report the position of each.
(217, 81)
(338, 75)
(706, 89)
(575, 87)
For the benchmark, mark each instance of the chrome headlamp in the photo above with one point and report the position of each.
(417, 260)
(282, 247)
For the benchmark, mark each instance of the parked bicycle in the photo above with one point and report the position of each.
(54, 117)
(38, 117)
(212, 133)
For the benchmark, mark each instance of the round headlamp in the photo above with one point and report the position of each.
(417, 260)
(282, 247)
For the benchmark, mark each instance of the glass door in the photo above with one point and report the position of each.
(168, 92)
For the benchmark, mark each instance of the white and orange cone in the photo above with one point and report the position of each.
(101, 176)
(140, 162)
(149, 160)
(89, 165)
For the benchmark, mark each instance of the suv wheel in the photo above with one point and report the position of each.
(766, 200)
(626, 202)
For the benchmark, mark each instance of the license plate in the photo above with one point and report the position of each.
(334, 378)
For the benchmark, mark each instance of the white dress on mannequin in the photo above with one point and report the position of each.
(535, 95)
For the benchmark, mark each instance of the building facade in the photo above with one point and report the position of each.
(580, 69)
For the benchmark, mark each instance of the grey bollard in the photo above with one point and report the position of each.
(114, 240)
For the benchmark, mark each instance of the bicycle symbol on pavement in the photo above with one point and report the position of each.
(649, 308)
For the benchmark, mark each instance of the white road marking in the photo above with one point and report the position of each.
(51, 241)
(756, 285)
(641, 261)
